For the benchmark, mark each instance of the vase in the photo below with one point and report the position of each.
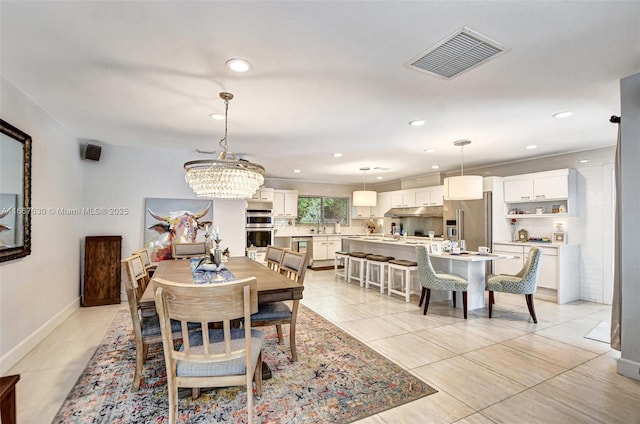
(514, 233)
(217, 257)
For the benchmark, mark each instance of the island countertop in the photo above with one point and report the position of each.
(470, 265)
(405, 249)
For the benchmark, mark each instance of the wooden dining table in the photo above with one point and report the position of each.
(272, 286)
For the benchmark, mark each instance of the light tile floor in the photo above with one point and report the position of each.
(503, 370)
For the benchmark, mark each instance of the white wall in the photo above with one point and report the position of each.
(629, 363)
(38, 291)
(125, 176)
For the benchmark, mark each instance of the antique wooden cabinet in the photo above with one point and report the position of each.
(101, 283)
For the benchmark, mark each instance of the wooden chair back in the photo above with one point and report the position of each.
(220, 303)
(188, 250)
(146, 260)
(274, 257)
(137, 275)
(294, 265)
(133, 276)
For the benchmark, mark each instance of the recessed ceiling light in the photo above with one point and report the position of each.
(564, 114)
(417, 123)
(297, 171)
(429, 150)
(531, 147)
(584, 161)
(379, 178)
(217, 116)
(435, 166)
(337, 155)
(238, 65)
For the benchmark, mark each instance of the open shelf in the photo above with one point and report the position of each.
(534, 215)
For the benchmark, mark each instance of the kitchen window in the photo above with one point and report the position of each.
(325, 210)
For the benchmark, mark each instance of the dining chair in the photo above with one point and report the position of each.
(217, 357)
(146, 261)
(524, 282)
(146, 326)
(273, 257)
(431, 280)
(188, 250)
(294, 267)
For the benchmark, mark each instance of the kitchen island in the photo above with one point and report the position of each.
(469, 265)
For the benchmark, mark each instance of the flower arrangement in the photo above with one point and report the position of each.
(513, 229)
(371, 226)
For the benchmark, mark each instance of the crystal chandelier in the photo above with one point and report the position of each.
(225, 177)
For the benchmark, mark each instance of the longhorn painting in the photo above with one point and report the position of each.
(174, 220)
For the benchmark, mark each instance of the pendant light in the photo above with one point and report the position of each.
(463, 187)
(225, 177)
(365, 197)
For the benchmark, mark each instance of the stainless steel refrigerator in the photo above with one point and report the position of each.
(469, 220)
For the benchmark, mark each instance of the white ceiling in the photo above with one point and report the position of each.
(327, 77)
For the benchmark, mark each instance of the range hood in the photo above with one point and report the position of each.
(419, 212)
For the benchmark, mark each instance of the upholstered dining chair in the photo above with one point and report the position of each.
(146, 327)
(273, 257)
(217, 357)
(188, 250)
(146, 261)
(294, 267)
(524, 282)
(431, 280)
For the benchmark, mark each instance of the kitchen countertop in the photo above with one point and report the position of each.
(407, 245)
(530, 243)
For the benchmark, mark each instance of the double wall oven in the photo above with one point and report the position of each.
(259, 228)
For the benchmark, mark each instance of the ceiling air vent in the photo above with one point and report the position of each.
(456, 54)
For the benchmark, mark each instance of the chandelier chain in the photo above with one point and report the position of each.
(223, 140)
(462, 160)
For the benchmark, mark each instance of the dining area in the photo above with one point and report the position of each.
(334, 321)
(208, 318)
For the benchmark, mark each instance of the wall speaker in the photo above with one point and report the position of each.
(92, 152)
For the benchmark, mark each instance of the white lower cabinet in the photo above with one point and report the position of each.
(325, 247)
(559, 274)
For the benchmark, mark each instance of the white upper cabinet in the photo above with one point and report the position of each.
(430, 196)
(383, 204)
(403, 198)
(541, 186)
(518, 190)
(552, 192)
(364, 211)
(264, 194)
(551, 187)
(285, 203)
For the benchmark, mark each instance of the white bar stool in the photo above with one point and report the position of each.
(405, 277)
(357, 262)
(377, 264)
(341, 259)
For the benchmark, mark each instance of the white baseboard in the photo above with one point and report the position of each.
(629, 368)
(14, 356)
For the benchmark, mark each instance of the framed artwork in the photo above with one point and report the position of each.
(179, 220)
(15, 193)
(9, 227)
(560, 238)
(435, 248)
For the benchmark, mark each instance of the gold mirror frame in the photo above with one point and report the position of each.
(21, 211)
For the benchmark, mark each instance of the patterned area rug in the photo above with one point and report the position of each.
(336, 379)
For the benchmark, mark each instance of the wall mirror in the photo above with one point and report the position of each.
(15, 192)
